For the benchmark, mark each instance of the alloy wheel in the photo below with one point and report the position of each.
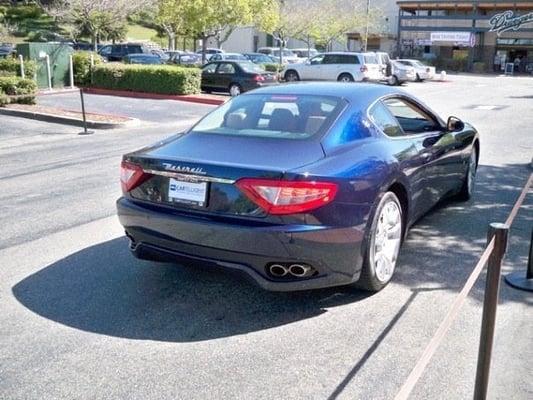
(387, 240)
(234, 90)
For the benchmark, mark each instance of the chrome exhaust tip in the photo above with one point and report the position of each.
(278, 270)
(300, 270)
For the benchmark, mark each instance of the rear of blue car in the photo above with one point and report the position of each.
(243, 191)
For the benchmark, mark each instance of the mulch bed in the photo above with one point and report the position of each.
(60, 112)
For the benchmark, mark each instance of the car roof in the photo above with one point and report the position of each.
(144, 55)
(362, 93)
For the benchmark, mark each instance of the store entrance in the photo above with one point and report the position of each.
(521, 58)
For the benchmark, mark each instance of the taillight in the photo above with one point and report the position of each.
(131, 176)
(286, 197)
(364, 68)
(259, 78)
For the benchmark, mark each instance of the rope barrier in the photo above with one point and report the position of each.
(453, 311)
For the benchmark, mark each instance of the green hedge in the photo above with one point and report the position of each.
(162, 79)
(15, 86)
(11, 66)
(81, 61)
(272, 67)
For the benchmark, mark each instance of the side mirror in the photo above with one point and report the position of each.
(454, 124)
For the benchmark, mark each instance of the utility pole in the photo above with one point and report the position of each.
(365, 42)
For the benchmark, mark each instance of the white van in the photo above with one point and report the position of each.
(336, 66)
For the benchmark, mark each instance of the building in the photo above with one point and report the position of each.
(248, 39)
(483, 35)
(386, 37)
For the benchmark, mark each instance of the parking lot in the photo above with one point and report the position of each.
(81, 318)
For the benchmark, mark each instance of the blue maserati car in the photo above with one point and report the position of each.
(297, 186)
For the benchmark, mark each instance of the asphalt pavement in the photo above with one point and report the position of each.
(81, 319)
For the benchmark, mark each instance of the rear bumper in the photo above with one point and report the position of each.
(336, 253)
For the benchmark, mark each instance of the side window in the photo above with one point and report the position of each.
(384, 120)
(348, 59)
(105, 51)
(209, 68)
(410, 117)
(226, 68)
(332, 59)
(317, 59)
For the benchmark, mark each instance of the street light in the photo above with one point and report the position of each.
(365, 43)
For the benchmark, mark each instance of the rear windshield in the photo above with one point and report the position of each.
(251, 67)
(273, 116)
(370, 59)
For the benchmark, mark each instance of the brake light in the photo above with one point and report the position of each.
(131, 176)
(364, 68)
(259, 78)
(287, 197)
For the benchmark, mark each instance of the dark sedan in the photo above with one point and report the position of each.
(298, 186)
(235, 77)
(143, 59)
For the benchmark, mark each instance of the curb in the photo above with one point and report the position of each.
(200, 99)
(66, 120)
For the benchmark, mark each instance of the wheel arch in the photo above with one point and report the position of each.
(401, 192)
(346, 73)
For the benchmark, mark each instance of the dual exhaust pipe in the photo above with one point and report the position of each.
(296, 270)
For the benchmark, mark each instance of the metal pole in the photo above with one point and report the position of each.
(48, 73)
(85, 131)
(21, 61)
(517, 279)
(492, 287)
(365, 43)
(71, 71)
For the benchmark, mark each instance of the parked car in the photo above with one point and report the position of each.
(142, 59)
(6, 49)
(235, 77)
(335, 66)
(228, 56)
(185, 59)
(288, 56)
(400, 74)
(210, 52)
(384, 61)
(260, 58)
(422, 70)
(161, 54)
(116, 52)
(298, 186)
(304, 53)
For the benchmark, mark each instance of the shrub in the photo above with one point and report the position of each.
(15, 86)
(163, 79)
(11, 66)
(272, 67)
(81, 61)
(3, 99)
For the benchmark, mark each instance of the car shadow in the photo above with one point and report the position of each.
(445, 245)
(104, 289)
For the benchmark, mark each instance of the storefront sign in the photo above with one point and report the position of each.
(456, 37)
(508, 21)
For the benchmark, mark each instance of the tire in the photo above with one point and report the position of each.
(292, 76)
(376, 274)
(418, 79)
(467, 190)
(393, 80)
(235, 89)
(345, 78)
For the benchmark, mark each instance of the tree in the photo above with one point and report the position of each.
(96, 18)
(171, 18)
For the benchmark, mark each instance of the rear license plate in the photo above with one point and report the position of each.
(187, 192)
